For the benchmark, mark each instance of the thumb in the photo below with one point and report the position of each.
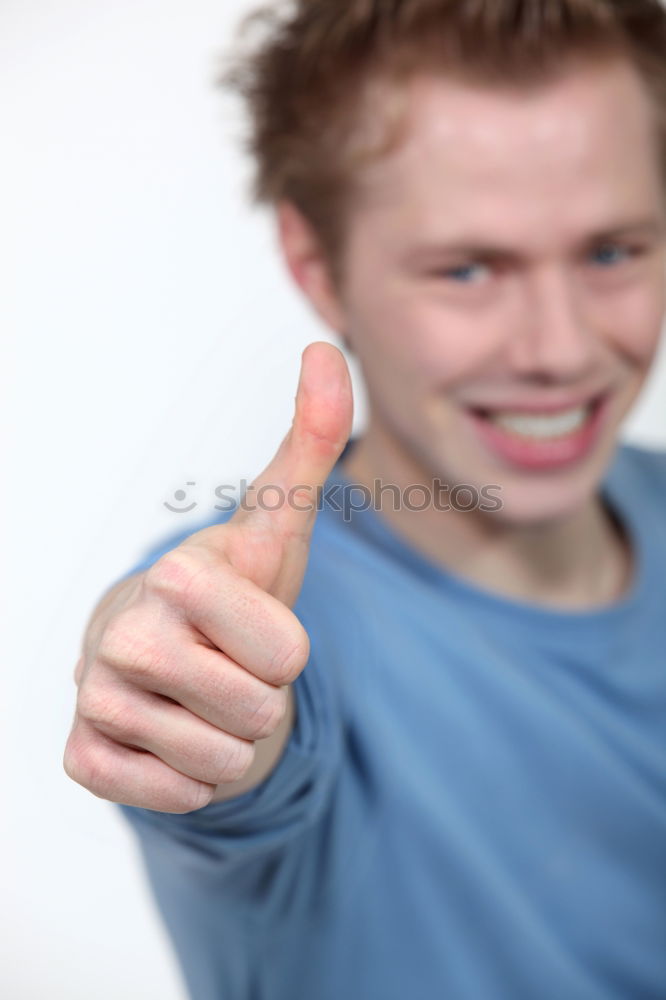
(320, 429)
(282, 501)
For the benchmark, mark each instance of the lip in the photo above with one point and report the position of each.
(544, 453)
(542, 405)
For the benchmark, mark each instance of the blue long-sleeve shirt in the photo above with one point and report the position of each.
(472, 803)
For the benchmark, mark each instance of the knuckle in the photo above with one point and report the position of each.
(176, 576)
(118, 640)
(109, 712)
(131, 651)
(85, 764)
(94, 704)
(94, 775)
(268, 714)
(146, 663)
(290, 658)
(113, 642)
(70, 761)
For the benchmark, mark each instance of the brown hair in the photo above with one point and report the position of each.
(314, 80)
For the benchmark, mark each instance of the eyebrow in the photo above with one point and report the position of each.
(651, 226)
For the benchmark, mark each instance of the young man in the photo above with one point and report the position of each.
(420, 748)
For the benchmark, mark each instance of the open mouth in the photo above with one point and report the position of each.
(542, 440)
(541, 426)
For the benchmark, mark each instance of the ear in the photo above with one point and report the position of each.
(308, 266)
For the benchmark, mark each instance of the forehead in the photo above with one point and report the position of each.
(587, 140)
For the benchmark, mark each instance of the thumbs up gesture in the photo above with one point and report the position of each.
(184, 667)
(268, 544)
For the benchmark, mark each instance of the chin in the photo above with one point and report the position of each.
(523, 512)
(545, 503)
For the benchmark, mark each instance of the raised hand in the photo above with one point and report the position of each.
(185, 666)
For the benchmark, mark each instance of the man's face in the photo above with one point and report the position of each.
(558, 301)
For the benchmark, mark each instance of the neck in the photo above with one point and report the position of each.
(579, 562)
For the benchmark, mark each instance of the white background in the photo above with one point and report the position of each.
(154, 337)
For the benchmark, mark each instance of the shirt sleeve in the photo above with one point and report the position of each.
(291, 797)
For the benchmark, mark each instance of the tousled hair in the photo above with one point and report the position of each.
(314, 79)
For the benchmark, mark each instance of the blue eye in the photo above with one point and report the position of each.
(461, 274)
(607, 254)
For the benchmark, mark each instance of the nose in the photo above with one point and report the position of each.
(552, 339)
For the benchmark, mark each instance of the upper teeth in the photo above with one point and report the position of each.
(541, 424)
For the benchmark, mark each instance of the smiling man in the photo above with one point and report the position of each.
(419, 748)
(505, 296)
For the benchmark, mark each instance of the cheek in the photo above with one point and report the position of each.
(636, 327)
(456, 352)
(422, 342)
